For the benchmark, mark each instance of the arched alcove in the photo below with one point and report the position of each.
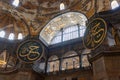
(75, 20)
(70, 60)
(53, 64)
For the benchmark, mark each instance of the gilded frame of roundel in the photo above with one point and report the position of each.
(105, 25)
(26, 42)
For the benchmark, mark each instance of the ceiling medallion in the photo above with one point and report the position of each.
(95, 33)
(30, 51)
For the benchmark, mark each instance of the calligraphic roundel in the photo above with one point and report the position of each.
(30, 51)
(95, 33)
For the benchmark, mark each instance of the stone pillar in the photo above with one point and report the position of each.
(60, 64)
(106, 65)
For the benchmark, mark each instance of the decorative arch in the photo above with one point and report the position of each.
(53, 64)
(54, 57)
(60, 22)
(70, 53)
(70, 60)
(13, 24)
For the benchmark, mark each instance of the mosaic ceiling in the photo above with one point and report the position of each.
(30, 16)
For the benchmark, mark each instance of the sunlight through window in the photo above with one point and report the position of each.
(15, 3)
(11, 36)
(69, 33)
(20, 36)
(62, 6)
(114, 4)
(2, 34)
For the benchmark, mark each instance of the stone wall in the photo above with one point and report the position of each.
(69, 75)
(20, 75)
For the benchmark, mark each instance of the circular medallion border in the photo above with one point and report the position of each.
(29, 51)
(91, 33)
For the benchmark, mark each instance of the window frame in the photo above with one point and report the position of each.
(80, 33)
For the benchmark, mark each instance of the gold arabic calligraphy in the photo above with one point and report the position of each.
(30, 50)
(95, 35)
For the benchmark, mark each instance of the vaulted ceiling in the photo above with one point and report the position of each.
(30, 16)
(33, 17)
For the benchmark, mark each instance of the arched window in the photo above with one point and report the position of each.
(62, 6)
(64, 27)
(114, 4)
(20, 36)
(57, 38)
(2, 34)
(70, 61)
(11, 36)
(69, 33)
(53, 64)
(15, 3)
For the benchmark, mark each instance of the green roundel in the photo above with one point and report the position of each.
(95, 33)
(30, 51)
